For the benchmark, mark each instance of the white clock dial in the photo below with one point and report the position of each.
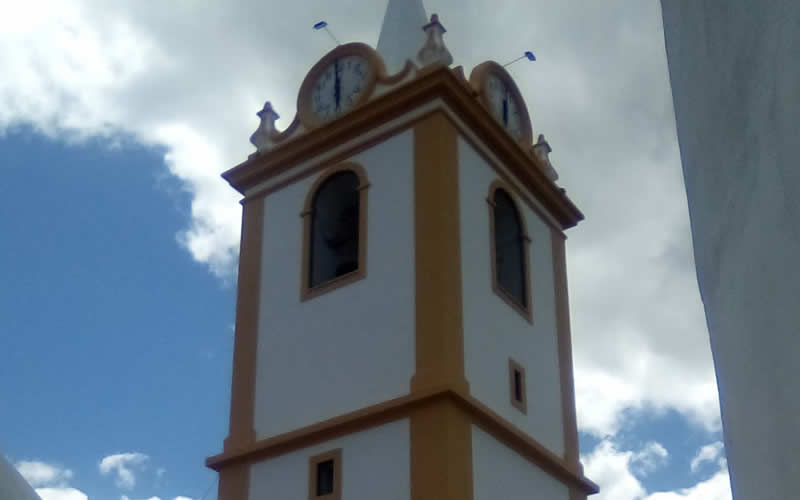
(504, 106)
(339, 86)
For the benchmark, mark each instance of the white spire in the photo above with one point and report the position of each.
(402, 35)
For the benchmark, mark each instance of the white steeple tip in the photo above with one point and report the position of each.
(401, 34)
(434, 51)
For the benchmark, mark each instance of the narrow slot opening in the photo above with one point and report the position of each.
(325, 478)
(517, 386)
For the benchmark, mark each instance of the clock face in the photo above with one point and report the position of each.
(339, 86)
(504, 106)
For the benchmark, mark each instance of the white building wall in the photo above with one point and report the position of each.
(352, 347)
(501, 473)
(493, 331)
(735, 76)
(375, 464)
(12, 485)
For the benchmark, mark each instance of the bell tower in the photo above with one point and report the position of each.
(402, 323)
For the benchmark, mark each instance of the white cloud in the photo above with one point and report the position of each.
(718, 487)
(708, 453)
(61, 494)
(610, 469)
(652, 456)
(182, 498)
(40, 474)
(613, 470)
(123, 465)
(50, 481)
(599, 91)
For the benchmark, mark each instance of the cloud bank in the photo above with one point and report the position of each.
(40, 473)
(49, 481)
(618, 474)
(190, 80)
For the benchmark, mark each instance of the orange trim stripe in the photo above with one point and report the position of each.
(471, 409)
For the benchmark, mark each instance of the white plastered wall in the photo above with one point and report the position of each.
(375, 464)
(735, 76)
(352, 347)
(493, 331)
(498, 468)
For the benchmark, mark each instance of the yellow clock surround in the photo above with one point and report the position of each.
(375, 70)
(479, 79)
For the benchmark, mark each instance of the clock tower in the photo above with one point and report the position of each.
(402, 323)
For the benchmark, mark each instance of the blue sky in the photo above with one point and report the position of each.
(119, 236)
(114, 340)
(117, 342)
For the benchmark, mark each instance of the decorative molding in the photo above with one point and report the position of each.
(234, 481)
(264, 137)
(248, 299)
(437, 253)
(525, 445)
(564, 341)
(470, 408)
(439, 83)
(342, 425)
(441, 436)
(542, 151)
(434, 50)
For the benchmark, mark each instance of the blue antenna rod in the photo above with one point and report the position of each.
(322, 25)
(527, 55)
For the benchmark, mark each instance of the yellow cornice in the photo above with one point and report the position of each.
(436, 83)
(404, 407)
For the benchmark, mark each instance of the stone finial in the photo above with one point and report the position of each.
(542, 151)
(262, 137)
(434, 50)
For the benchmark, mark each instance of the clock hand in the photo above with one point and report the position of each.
(337, 92)
(505, 108)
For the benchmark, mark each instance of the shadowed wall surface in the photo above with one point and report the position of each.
(735, 77)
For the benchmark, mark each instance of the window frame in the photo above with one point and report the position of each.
(513, 369)
(308, 292)
(313, 463)
(524, 309)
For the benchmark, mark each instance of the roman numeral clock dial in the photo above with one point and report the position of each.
(503, 100)
(504, 106)
(338, 83)
(339, 87)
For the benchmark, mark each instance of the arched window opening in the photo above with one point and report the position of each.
(335, 216)
(509, 249)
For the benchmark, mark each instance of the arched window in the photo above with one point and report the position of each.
(510, 275)
(335, 223)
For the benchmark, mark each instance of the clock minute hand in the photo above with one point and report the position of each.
(505, 108)
(337, 92)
